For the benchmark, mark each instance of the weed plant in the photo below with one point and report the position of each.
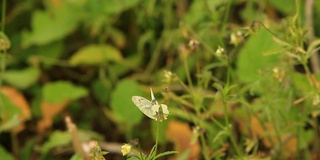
(236, 79)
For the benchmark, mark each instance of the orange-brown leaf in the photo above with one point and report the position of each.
(181, 135)
(290, 142)
(48, 112)
(18, 100)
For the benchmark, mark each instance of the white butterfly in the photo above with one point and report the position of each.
(151, 108)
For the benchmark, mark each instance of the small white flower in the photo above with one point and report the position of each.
(169, 77)
(236, 38)
(193, 44)
(168, 74)
(219, 51)
(239, 34)
(316, 100)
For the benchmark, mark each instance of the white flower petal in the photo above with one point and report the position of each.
(165, 109)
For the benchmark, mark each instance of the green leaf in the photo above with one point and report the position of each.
(133, 158)
(56, 139)
(22, 78)
(197, 13)
(49, 54)
(285, 6)
(301, 82)
(101, 91)
(95, 55)
(5, 154)
(76, 157)
(26, 152)
(252, 60)
(115, 6)
(305, 137)
(125, 66)
(152, 153)
(51, 26)
(9, 109)
(121, 103)
(56, 92)
(184, 155)
(166, 153)
(12, 122)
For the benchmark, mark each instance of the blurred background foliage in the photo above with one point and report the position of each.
(258, 97)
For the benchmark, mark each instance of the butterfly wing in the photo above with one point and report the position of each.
(144, 105)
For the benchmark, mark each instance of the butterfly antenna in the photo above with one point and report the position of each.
(165, 90)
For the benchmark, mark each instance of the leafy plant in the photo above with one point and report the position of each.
(242, 79)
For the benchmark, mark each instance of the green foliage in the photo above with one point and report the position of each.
(56, 139)
(76, 157)
(240, 75)
(22, 78)
(253, 59)
(289, 6)
(47, 28)
(60, 91)
(5, 154)
(9, 124)
(9, 109)
(122, 105)
(27, 150)
(95, 55)
(101, 91)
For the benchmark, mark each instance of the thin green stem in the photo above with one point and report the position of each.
(298, 155)
(233, 141)
(308, 73)
(184, 85)
(185, 64)
(269, 101)
(157, 138)
(229, 71)
(278, 136)
(204, 149)
(226, 16)
(139, 154)
(155, 57)
(2, 70)
(225, 110)
(3, 54)
(3, 15)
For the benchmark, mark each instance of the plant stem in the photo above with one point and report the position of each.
(3, 15)
(157, 138)
(155, 56)
(185, 64)
(3, 55)
(225, 110)
(204, 150)
(233, 141)
(2, 70)
(140, 152)
(309, 7)
(226, 16)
